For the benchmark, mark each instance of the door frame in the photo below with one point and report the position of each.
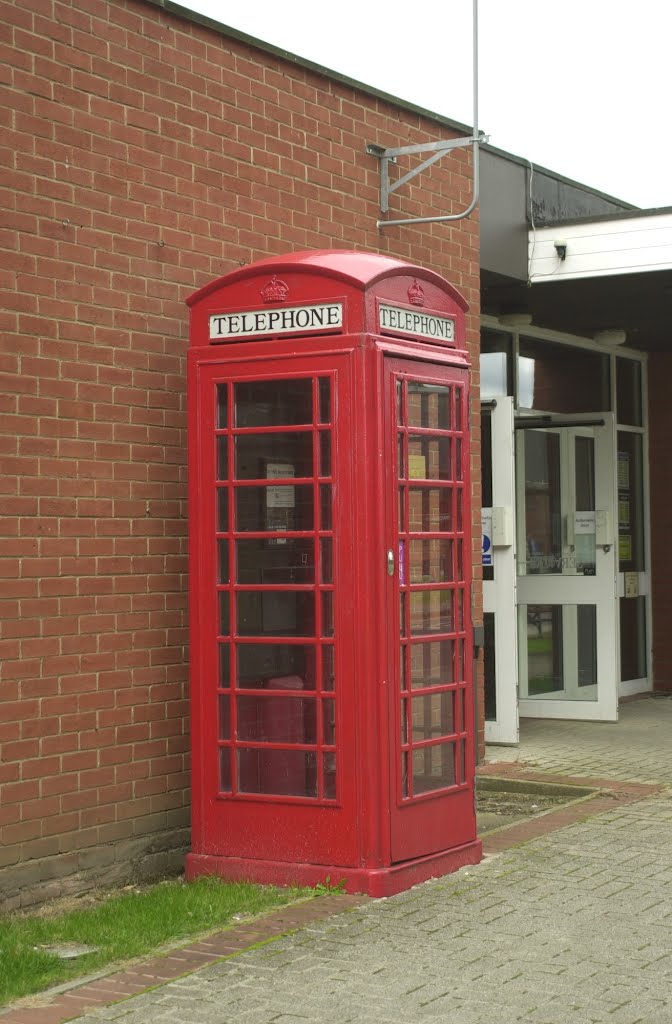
(600, 589)
(499, 594)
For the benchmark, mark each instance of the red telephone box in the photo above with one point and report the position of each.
(330, 518)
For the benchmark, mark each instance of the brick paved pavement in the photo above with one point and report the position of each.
(636, 748)
(572, 927)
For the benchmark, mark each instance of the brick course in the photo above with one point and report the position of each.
(144, 155)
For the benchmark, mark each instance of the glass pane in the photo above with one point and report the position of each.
(430, 509)
(274, 456)
(431, 663)
(428, 405)
(259, 562)
(403, 722)
(329, 722)
(326, 560)
(459, 710)
(222, 401)
(225, 717)
(460, 663)
(496, 363)
(431, 611)
(325, 453)
(402, 520)
(431, 561)
(585, 473)
(558, 378)
(586, 628)
(629, 392)
(327, 613)
(273, 403)
(560, 650)
(225, 770)
(543, 519)
(489, 664)
(223, 552)
(328, 672)
(222, 458)
(278, 666)
(544, 649)
(401, 462)
(633, 637)
(224, 613)
(224, 666)
(257, 509)
(584, 520)
(222, 509)
(459, 401)
(433, 716)
(433, 768)
(486, 459)
(329, 774)
(459, 468)
(325, 507)
(402, 614)
(276, 613)
(404, 775)
(276, 719)
(277, 772)
(325, 399)
(428, 457)
(400, 403)
(630, 503)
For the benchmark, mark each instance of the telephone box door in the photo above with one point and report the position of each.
(430, 632)
(274, 704)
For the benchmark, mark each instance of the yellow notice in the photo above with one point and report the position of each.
(625, 547)
(417, 467)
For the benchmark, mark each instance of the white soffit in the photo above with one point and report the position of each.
(600, 248)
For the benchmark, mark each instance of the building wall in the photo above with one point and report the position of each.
(147, 154)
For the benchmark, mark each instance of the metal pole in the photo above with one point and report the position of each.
(475, 146)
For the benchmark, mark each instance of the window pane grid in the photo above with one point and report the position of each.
(431, 586)
(277, 707)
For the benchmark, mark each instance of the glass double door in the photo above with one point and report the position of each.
(566, 570)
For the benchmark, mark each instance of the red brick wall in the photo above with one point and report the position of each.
(660, 430)
(146, 155)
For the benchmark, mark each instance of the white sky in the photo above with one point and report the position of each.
(582, 87)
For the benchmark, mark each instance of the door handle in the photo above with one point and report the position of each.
(390, 562)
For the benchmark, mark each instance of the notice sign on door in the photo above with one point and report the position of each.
(584, 522)
(486, 527)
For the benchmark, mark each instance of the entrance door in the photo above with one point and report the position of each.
(566, 566)
(428, 543)
(499, 573)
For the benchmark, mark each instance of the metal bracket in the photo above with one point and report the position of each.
(437, 149)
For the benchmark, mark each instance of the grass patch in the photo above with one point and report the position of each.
(127, 924)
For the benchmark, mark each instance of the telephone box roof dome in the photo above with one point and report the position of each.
(356, 268)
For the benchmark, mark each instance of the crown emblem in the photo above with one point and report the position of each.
(275, 291)
(416, 296)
